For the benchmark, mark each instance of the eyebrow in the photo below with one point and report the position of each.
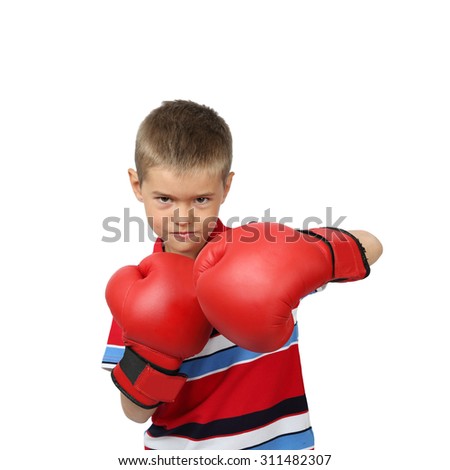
(162, 193)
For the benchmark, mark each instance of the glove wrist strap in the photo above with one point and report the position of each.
(145, 383)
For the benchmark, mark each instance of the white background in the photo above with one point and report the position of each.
(341, 104)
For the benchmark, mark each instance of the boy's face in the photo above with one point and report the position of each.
(182, 210)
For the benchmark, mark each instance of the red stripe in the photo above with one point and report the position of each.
(242, 389)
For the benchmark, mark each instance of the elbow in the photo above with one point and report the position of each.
(375, 250)
(134, 412)
(372, 246)
(139, 418)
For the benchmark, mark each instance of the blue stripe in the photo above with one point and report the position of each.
(297, 441)
(224, 359)
(113, 355)
(206, 364)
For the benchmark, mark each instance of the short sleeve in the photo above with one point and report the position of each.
(114, 347)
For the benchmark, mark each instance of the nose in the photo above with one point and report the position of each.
(184, 216)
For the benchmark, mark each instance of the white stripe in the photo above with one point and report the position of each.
(290, 424)
(115, 346)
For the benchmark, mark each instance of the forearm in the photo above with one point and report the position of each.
(371, 244)
(135, 412)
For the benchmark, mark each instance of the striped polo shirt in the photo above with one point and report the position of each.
(234, 399)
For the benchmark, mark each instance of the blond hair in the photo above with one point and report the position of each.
(185, 137)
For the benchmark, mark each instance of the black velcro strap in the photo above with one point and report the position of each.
(133, 364)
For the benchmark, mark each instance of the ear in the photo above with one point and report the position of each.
(227, 186)
(135, 185)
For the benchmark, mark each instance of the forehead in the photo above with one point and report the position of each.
(168, 181)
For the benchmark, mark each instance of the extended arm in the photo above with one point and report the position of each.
(250, 279)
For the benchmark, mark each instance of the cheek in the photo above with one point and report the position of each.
(159, 226)
(156, 220)
(150, 214)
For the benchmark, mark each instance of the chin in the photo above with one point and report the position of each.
(185, 248)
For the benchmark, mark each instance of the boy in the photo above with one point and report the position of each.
(234, 398)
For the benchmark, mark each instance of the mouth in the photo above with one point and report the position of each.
(184, 236)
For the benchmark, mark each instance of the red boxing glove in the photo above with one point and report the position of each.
(162, 324)
(249, 279)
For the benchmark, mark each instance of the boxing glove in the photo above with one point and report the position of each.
(155, 305)
(249, 279)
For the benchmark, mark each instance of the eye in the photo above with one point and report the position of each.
(164, 199)
(201, 200)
